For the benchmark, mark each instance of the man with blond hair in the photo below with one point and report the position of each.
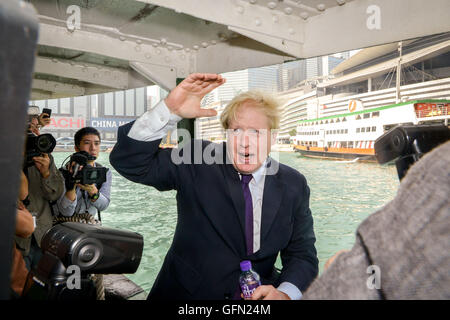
(244, 205)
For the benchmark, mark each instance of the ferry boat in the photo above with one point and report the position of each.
(352, 135)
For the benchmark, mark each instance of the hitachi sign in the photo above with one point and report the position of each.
(66, 123)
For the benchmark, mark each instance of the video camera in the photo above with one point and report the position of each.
(87, 174)
(37, 145)
(89, 249)
(408, 143)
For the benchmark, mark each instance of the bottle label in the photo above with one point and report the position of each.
(249, 288)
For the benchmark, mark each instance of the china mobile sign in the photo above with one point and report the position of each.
(108, 124)
(64, 123)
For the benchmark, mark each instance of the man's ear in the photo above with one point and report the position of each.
(77, 149)
(273, 134)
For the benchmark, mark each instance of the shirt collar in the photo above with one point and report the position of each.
(260, 172)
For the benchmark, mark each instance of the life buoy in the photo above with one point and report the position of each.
(352, 106)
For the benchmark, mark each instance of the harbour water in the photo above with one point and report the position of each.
(342, 195)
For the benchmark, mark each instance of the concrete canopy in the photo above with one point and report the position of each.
(94, 46)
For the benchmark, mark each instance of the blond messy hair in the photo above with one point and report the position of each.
(265, 101)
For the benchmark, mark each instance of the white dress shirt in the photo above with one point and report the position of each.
(155, 124)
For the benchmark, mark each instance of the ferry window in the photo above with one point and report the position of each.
(344, 144)
(358, 117)
(368, 129)
(366, 115)
(358, 130)
(338, 120)
(363, 129)
(375, 114)
(350, 144)
(374, 129)
(334, 131)
(344, 119)
(346, 131)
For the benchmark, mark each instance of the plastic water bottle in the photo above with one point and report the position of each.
(248, 280)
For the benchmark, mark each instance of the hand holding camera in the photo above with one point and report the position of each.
(80, 173)
(42, 163)
(44, 117)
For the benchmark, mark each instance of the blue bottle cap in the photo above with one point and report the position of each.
(246, 265)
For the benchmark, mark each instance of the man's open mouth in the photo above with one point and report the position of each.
(245, 157)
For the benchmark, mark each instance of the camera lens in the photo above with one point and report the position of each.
(45, 143)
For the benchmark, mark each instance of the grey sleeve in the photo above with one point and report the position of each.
(103, 200)
(65, 206)
(346, 278)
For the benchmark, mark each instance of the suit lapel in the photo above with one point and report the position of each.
(237, 196)
(272, 196)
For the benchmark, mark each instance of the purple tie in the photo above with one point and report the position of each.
(248, 212)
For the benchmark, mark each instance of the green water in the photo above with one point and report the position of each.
(342, 195)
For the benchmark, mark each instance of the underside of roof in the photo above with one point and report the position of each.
(384, 67)
(95, 46)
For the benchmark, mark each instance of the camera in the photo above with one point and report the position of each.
(37, 145)
(84, 247)
(87, 174)
(408, 143)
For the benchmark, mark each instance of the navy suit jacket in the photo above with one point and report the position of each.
(209, 240)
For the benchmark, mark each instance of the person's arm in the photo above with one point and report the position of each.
(102, 202)
(299, 258)
(52, 181)
(67, 202)
(182, 102)
(154, 124)
(137, 155)
(23, 190)
(24, 222)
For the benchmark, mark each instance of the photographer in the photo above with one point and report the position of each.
(36, 120)
(45, 183)
(85, 198)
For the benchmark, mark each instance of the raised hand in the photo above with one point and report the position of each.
(185, 99)
(43, 121)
